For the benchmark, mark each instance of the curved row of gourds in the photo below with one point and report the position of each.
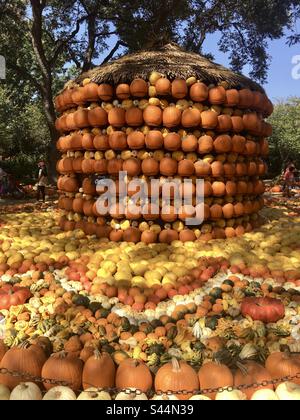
(180, 129)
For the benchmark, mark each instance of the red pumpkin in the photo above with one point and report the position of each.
(13, 296)
(263, 309)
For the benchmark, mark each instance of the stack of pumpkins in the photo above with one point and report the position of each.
(162, 128)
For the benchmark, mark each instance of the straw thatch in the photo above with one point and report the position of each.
(173, 62)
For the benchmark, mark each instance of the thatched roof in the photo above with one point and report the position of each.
(173, 62)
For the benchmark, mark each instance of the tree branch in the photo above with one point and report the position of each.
(113, 51)
(60, 47)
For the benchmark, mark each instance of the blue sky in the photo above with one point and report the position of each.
(280, 83)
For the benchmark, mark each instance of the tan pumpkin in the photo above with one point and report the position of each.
(281, 364)
(133, 373)
(251, 373)
(99, 371)
(175, 376)
(214, 375)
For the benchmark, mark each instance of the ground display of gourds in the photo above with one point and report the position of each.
(82, 310)
(142, 306)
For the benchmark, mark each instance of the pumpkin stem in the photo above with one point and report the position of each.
(242, 368)
(97, 354)
(175, 365)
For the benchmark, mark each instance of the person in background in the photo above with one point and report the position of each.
(42, 181)
(289, 179)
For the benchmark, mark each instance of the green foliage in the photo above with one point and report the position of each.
(285, 141)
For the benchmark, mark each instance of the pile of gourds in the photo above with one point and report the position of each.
(162, 129)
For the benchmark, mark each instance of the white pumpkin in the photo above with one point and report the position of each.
(231, 395)
(4, 393)
(60, 393)
(165, 397)
(131, 396)
(288, 391)
(200, 397)
(264, 394)
(94, 394)
(26, 391)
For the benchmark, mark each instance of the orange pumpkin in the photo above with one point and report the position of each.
(167, 236)
(281, 364)
(154, 139)
(99, 371)
(123, 91)
(90, 92)
(246, 99)
(150, 166)
(152, 116)
(76, 141)
(171, 116)
(217, 95)
(232, 97)
(163, 87)
(251, 373)
(117, 140)
(138, 88)
(185, 168)
(172, 141)
(179, 89)
(136, 140)
(168, 166)
(88, 141)
(62, 367)
(223, 144)
(116, 117)
(133, 373)
(224, 123)
(237, 123)
(101, 142)
(134, 117)
(214, 375)
(202, 168)
(191, 118)
(189, 143)
(81, 118)
(205, 144)
(97, 117)
(105, 92)
(209, 119)
(132, 166)
(175, 376)
(199, 92)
